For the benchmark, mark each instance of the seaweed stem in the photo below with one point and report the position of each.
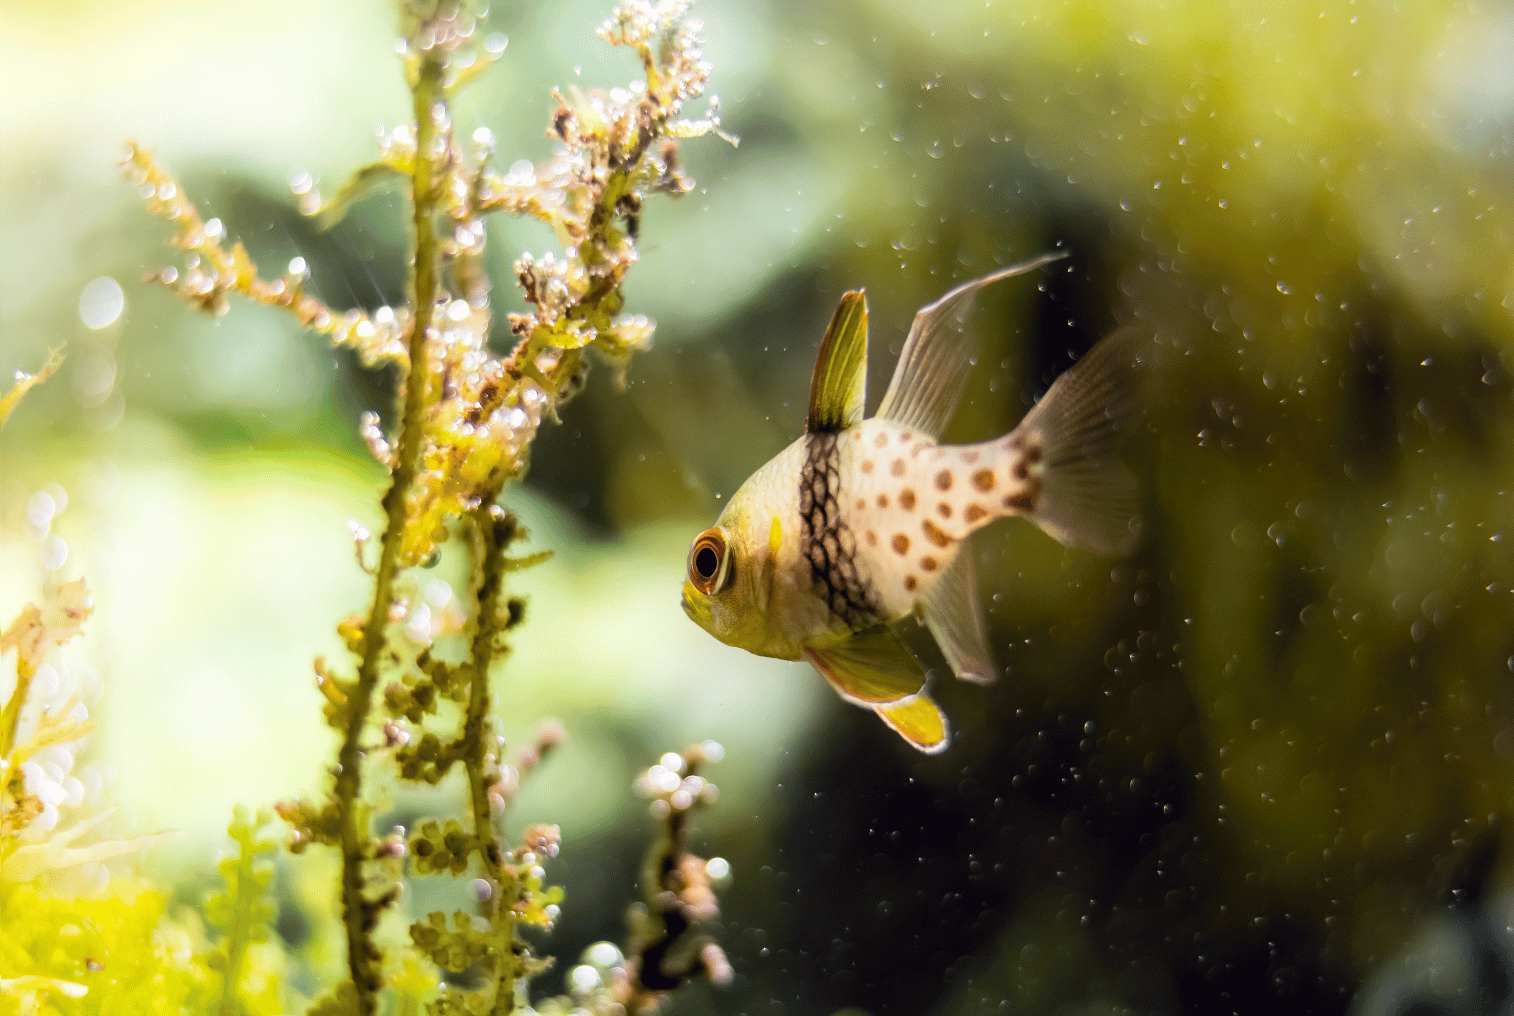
(494, 529)
(362, 955)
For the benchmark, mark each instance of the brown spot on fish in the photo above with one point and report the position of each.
(881, 439)
(867, 465)
(1022, 502)
(983, 479)
(1033, 453)
(905, 437)
(975, 512)
(1022, 471)
(944, 510)
(907, 499)
(872, 538)
(861, 503)
(882, 500)
(857, 436)
(898, 467)
(928, 563)
(934, 534)
(969, 457)
(944, 480)
(910, 583)
(901, 543)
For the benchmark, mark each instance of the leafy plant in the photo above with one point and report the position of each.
(416, 698)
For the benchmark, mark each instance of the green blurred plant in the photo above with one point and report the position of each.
(243, 914)
(465, 425)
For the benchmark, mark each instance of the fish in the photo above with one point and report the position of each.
(860, 523)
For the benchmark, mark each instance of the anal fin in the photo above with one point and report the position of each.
(954, 614)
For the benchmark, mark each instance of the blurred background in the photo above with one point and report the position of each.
(1260, 766)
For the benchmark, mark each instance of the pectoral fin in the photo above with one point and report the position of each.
(954, 615)
(873, 667)
(839, 387)
(919, 721)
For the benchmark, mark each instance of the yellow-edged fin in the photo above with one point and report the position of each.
(870, 668)
(919, 721)
(839, 387)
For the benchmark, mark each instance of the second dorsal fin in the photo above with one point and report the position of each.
(938, 354)
(839, 386)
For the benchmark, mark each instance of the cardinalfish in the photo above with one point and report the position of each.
(860, 523)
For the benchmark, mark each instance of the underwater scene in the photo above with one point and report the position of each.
(998, 506)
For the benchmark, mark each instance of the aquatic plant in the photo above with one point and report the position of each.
(416, 701)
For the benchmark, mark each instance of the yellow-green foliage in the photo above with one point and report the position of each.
(242, 913)
(117, 947)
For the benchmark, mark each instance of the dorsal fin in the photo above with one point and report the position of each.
(839, 386)
(938, 355)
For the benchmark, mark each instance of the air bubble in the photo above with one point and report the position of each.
(54, 552)
(101, 302)
(603, 955)
(40, 509)
(418, 627)
(583, 979)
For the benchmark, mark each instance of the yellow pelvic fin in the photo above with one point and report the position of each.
(871, 667)
(919, 721)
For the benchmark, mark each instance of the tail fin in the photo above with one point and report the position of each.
(1088, 497)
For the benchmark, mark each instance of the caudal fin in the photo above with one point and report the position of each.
(1088, 497)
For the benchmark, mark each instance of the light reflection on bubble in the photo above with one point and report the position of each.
(101, 302)
(603, 955)
(54, 552)
(40, 509)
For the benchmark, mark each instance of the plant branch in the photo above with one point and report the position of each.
(357, 911)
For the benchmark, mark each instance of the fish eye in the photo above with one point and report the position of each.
(709, 561)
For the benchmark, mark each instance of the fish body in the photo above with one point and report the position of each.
(860, 523)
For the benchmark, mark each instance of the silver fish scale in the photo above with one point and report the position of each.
(827, 542)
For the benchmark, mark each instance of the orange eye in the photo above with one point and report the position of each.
(709, 561)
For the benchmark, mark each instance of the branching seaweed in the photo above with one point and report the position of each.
(465, 426)
(242, 910)
(669, 942)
